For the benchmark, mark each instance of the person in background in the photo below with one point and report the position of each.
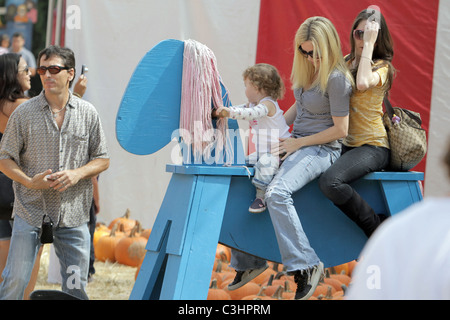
(18, 46)
(4, 44)
(408, 256)
(93, 212)
(52, 183)
(14, 81)
(12, 94)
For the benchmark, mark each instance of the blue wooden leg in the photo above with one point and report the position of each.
(182, 248)
(166, 228)
(399, 195)
(149, 281)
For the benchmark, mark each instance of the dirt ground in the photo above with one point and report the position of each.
(112, 281)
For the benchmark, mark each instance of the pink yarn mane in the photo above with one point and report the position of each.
(201, 89)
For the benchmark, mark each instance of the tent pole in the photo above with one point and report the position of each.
(48, 40)
(59, 6)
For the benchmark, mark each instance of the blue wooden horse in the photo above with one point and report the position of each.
(206, 204)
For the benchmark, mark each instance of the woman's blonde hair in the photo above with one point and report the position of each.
(327, 49)
(266, 77)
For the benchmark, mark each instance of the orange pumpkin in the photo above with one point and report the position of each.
(223, 253)
(322, 289)
(272, 285)
(342, 278)
(105, 246)
(125, 220)
(223, 266)
(280, 279)
(146, 233)
(336, 284)
(339, 295)
(288, 294)
(351, 266)
(221, 273)
(246, 290)
(130, 250)
(278, 294)
(137, 271)
(214, 293)
(265, 276)
(330, 295)
(340, 269)
(261, 295)
(100, 231)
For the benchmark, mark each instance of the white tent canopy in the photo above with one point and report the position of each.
(114, 35)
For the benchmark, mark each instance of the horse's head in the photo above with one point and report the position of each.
(149, 114)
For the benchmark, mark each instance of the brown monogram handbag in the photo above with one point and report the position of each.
(407, 138)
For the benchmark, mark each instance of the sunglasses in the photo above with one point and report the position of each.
(306, 53)
(52, 69)
(27, 69)
(358, 34)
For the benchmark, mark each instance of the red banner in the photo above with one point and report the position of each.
(412, 25)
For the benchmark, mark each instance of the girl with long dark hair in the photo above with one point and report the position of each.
(366, 148)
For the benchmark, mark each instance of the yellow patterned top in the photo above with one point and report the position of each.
(366, 114)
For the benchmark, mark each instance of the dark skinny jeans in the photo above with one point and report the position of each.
(353, 164)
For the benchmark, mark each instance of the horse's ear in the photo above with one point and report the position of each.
(150, 109)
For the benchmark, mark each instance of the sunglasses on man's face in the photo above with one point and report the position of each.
(52, 69)
(358, 34)
(306, 53)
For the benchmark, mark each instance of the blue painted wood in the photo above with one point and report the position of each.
(179, 262)
(389, 175)
(151, 275)
(182, 248)
(196, 263)
(243, 170)
(150, 109)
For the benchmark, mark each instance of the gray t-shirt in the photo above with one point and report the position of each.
(316, 109)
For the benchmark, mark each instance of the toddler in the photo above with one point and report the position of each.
(263, 87)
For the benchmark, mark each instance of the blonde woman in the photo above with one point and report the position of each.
(322, 87)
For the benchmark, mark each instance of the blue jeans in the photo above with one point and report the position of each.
(265, 169)
(296, 171)
(72, 247)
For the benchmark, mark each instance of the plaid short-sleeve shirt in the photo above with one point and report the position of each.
(33, 140)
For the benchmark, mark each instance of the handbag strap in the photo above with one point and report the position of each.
(389, 109)
(390, 112)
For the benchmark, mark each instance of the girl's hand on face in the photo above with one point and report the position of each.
(371, 32)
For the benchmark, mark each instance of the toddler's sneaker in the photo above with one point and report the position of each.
(257, 206)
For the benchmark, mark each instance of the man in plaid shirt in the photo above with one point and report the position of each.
(53, 145)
